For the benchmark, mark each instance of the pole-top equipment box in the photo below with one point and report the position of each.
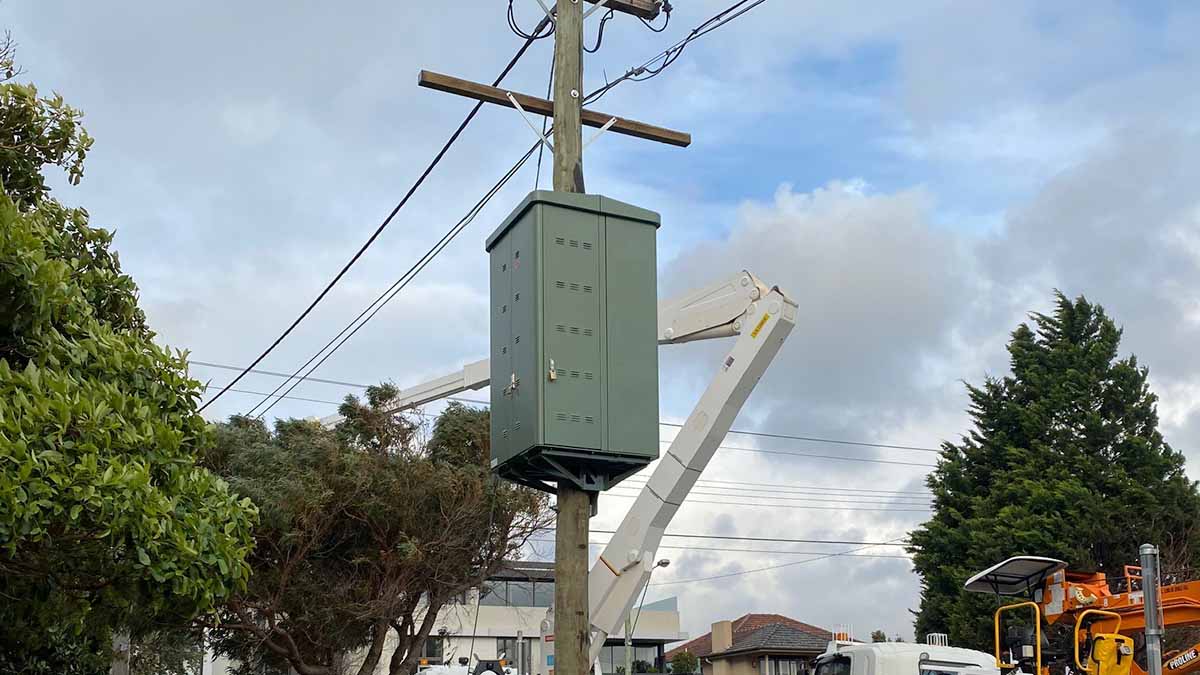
(574, 354)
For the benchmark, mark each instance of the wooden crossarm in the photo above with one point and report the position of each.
(533, 104)
(647, 9)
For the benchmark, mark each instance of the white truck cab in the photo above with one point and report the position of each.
(902, 658)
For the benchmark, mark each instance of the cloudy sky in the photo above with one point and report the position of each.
(917, 175)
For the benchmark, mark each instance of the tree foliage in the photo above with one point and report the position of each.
(35, 132)
(175, 651)
(685, 662)
(878, 636)
(1065, 460)
(102, 508)
(365, 533)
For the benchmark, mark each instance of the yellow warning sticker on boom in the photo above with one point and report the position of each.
(761, 322)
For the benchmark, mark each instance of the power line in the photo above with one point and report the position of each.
(814, 455)
(730, 492)
(672, 53)
(516, 29)
(772, 552)
(796, 489)
(777, 540)
(667, 9)
(814, 439)
(273, 373)
(739, 482)
(809, 439)
(707, 27)
(749, 486)
(299, 399)
(668, 57)
(781, 506)
(386, 221)
(764, 569)
(290, 398)
(537, 179)
(599, 35)
(406, 278)
(821, 497)
(744, 550)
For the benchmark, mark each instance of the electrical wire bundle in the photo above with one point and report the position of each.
(544, 29)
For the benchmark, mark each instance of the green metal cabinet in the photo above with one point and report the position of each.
(574, 357)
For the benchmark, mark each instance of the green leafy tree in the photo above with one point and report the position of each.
(365, 534)
(878, 636)
(35, 132)
(177, 651)
(642, 667)
(103, 510)
(685, 662)
(1065, 460)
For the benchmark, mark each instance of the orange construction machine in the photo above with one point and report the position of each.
(1107, 612)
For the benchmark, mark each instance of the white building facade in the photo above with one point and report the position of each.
(508, 626)
(505, 623)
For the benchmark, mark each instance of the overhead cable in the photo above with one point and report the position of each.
(782, 506)
(383, 225)
(708, 26)
(791, 488)
(649, 69)
(764, 569)
(780, 540)
(813, 496)
(745, 550)
(810, 439)
(865, 444)
(346, 333)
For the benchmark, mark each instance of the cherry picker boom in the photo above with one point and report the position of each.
(743, 307)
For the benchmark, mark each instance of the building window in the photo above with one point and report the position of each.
(495, 594)
(606, 660)
(645, 657)
(432, 650)
(506, 649)
(785, 665)
(520, 593)
(500, 593)
(543, 593)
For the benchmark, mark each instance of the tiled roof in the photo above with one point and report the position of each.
(780, 637)
(748, 628)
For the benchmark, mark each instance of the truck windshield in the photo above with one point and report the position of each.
(833, 665)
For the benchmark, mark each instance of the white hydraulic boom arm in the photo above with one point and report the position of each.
(761, 318)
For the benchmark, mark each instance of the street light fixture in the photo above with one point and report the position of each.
(629, 624)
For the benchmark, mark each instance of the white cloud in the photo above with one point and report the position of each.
(252, 122)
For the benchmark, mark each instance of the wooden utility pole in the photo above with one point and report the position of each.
(574, 506)
(571, 629)
(568, 99)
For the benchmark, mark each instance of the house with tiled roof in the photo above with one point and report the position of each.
(757, 644)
